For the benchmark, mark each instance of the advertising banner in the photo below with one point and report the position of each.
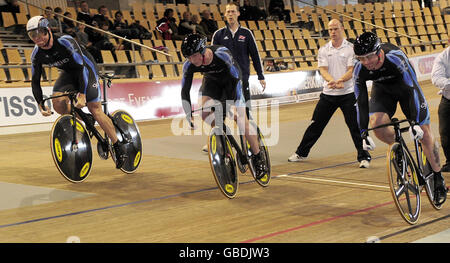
(161, 99)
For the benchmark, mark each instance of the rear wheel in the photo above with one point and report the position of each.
(133, 148)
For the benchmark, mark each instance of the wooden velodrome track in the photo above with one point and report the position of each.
(173, 196)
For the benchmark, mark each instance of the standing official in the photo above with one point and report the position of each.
(335, 61)
(440, 76)
(241, 42)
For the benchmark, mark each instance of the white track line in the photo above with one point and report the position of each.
(332, 181)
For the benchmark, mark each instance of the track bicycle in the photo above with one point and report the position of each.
(70, 139)
(408, 175)
(226, 155)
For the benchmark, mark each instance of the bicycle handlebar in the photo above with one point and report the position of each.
(71, 94)
(394, 122)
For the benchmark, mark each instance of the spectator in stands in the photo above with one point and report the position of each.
(52, 22)
(186, 27)
(440, 76)
(270, 65)
(103, 16)
(282, 65)
(426, 2)
(66, 23)
(208, 24)
(121, 28)
(198, 28)
(167, 26)
(83, 38)
(118, 23)
(276, 8)
(102, 40)
(335, 61)
(84, 13)
(251, 12)
(10, 6)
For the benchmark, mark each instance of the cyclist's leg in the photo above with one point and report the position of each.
(207, 114)
(95, 108)
(64, 83)
(248, 130)
(382, 107)
(430, 147)
(385, 134)
(415, 108)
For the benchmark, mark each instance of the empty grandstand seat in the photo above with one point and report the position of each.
(13, 56)
(156, 71)
(143, 72)
(107, 57)
(16, 74)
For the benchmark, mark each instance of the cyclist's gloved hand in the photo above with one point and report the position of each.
(416, 132)
(45, 111)
(190, 120)
(368, 143)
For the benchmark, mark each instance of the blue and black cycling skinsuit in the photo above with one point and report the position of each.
(221, 80)
(78, 69)
(394, 82)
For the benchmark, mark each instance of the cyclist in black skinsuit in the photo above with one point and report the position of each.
(394, 80)
(221, 82)
(78, 73)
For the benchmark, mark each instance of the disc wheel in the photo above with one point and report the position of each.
(73, 160)
(223, 163)
(133, 148)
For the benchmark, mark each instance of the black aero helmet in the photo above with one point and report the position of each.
(192, 44)
(366, 43)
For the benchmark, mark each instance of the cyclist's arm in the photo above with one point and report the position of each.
(409, 78)
(186, 84)
(362, 99)
(36, 73)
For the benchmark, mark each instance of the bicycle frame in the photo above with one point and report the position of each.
(418, 160)
(72, 96)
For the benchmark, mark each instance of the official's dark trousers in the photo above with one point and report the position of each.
(325, 108)
(444, 127)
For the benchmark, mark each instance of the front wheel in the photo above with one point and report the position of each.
(72, 158)
(223, 163)
(404, 183)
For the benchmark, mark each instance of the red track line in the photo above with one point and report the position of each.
(315, 223)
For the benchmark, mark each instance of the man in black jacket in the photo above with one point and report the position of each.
(241, 42)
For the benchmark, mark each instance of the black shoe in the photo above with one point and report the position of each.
(440, 190)
(121, 157)
(260, 165)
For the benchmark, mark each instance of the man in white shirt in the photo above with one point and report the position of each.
(335, 60)
(440, 76)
